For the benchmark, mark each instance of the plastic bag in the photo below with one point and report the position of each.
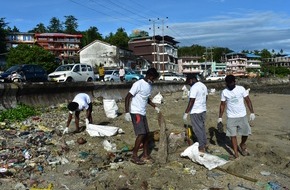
(111, 108)
(185, 92)
(157, 99)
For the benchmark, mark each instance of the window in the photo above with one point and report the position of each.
(77, 68)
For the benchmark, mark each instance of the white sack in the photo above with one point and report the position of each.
(208, 160)
(102, 130)
(111, 108)
(185, 92)
(157, 99)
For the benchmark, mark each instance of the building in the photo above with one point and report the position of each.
(218, 68)
(63, 46)
(236, 64)
(99, 52)
(13, 39)
(280, 61)
(161, 51)
(253, 62)
(190, 64)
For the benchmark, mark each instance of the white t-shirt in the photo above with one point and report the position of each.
(83, 100)
(122, 72)
(199, 92)
(235, 101)
(141, 91)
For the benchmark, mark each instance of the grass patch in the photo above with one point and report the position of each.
(20, 113)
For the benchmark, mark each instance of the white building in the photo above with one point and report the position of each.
(99, 52)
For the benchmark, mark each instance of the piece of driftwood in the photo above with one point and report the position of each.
(237, 175)
(162, 153)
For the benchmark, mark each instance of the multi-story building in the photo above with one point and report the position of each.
(236, 63)
(63, 46)
(190, 64)
(253, 61)
(160, 50)
(13, 39)
(280, 61)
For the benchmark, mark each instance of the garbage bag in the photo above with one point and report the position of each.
(157, 99)
(111, 108)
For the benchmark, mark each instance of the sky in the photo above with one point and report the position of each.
(235, 24)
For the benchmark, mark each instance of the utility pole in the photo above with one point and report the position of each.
(163, 47)
(154, 42)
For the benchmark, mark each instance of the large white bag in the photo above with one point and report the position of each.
(111, 108)
(158, 99)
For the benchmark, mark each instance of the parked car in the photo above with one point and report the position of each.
(172, 77)
(215, 77)
(130, 75)
(73, 73)
(112, 75)
(141, 72)
(24, 73)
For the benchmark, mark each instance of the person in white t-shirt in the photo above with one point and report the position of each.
(196, 107)
(81, 101)
(122, 73)
(139, 95)
(233, 98)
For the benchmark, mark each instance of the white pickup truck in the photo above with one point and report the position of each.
(215, 78)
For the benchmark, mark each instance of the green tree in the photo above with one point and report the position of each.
(119, 39)
(70, 25)
(14, 29)
(3, 34)
(90, 35)
(25, 54)
(265, 54)
(55, 26)
(40, 28)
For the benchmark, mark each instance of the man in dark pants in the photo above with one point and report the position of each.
(139, 96)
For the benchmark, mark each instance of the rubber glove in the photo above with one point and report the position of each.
(128, 117)
(65, 130)
(220, 120)
(185, 117)
(157, 109)
(252, 117)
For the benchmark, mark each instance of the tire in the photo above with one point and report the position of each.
(90, 80)
(112, 80)
(134, 80)
(174, 79)
(69, 79)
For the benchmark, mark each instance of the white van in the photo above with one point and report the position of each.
(72, 73)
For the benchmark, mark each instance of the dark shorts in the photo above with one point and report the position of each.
(140, 124)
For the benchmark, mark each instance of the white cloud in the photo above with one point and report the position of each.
(247, 31)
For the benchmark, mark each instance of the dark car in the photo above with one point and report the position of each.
(24, 73)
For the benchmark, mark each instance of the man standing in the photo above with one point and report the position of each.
(139, 95)
(237, 123)
(197, 109)
(102, 73)
(80, 102)
(122, 73)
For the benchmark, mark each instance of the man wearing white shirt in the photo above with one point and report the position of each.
(139, 95)
(196, 107)
(233, 98)
(80, 102)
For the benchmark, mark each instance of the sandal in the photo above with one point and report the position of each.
(137, 161)
(243, 151)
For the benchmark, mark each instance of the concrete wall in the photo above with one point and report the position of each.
(48, 94)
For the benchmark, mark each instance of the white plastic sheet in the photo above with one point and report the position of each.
(208, 160)
(102, 130)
